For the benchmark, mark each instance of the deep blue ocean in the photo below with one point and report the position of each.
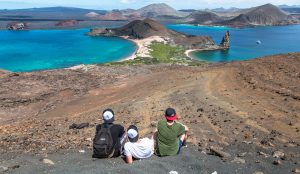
(274, 40)
(50, 49)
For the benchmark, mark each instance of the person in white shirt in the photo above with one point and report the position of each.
(137, 148)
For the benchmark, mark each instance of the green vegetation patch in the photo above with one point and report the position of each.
(163, 53)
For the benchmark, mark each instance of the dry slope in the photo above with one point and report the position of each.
(225, 105)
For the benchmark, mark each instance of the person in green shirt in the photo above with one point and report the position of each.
(170, 135)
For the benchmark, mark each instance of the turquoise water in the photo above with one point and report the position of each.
(49, 49)
(274, 40)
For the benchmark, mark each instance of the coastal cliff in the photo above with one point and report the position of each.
(141, 29)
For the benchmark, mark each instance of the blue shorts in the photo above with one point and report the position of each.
(180, 145)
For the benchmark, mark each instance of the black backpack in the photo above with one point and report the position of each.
(103, 145)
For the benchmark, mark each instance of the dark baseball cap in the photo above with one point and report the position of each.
(170, 114)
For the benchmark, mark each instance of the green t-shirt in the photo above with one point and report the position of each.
(168, 138)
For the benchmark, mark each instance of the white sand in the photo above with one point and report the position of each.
(143, 46)
(188, 52)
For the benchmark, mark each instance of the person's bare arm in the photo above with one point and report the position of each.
(186, 128)
(154, 135)
(129, 159)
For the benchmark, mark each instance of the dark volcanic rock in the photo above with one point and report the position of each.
(225, 43)
(17, 26)
(140, 29)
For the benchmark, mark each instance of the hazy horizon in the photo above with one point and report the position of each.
(135, 4)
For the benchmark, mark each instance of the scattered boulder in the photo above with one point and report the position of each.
(218, 152)
(242, 154)
(277, 162)
(14, 166)
(78, 126)
(238, 160)
(3, 169)
(263, 154)
(296, 170)
(200, 110)
(47, 161)
(278, 154)
(258, 172)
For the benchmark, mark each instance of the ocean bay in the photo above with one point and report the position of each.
(243, 46)
(50, 49)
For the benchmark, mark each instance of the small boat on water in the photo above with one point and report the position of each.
(258, 42)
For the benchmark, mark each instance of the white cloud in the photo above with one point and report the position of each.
(127, 1)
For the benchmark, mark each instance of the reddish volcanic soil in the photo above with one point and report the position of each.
(230, 106)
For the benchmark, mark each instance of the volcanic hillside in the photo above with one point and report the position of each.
(263, 15)
(202, 17)
(140, 29)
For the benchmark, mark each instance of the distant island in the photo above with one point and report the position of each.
(145, 32)
(48, 18)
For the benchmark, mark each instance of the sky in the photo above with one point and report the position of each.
(135, 4)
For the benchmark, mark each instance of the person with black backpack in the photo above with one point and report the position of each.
(109, 138)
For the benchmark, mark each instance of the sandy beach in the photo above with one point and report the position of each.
(143, 46)
(189, 52)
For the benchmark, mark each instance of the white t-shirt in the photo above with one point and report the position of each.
(140, 150)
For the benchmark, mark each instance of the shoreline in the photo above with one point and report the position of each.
(190, 51)
(142, 49)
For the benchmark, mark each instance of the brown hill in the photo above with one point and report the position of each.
(140, 29)
(267, 14)
(156, 11)
(161, 9)
(202, 17)
(114, 15)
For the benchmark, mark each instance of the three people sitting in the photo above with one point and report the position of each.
(110, 138)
